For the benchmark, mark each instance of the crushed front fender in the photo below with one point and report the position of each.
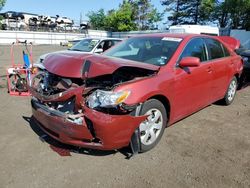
(97, 131)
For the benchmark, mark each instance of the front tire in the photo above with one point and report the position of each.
(231, 92)
(151, 130)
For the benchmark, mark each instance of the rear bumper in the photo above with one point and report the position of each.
(98, 130)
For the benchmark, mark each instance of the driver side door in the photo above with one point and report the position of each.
(192, 85)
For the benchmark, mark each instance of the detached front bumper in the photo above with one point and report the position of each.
(98, 130)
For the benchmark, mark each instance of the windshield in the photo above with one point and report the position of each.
(151, 50)
(85, 45)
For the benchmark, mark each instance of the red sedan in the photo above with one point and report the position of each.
(131, 93)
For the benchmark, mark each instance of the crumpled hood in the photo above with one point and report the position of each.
(72, 65)
(42, 57)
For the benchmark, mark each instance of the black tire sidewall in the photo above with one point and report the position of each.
(153, 103)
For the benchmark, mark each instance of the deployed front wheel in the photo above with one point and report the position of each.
(151, 130)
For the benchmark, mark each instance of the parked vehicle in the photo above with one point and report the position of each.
(245, 54)
(246, 59)
(131, 93)
(73, 42)
(13, 20)
(12, 24)
(195, 29)
(87, 45)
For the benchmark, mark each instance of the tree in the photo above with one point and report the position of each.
(234, 12)
(2, 3)
(189, 12)
(97, 19)
(154, 17)
(206, 9)
(173, 7)
(121, 19)
(145, 14)
(131, 15)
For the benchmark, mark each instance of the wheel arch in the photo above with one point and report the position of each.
(164, 100)
(237, 75)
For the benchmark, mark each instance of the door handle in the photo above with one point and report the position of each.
(209, 70)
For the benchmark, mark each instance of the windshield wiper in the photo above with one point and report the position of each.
(75, 50)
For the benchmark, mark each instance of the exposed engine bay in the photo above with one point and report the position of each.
(68, 95)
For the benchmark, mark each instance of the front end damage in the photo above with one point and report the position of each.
(77, 111)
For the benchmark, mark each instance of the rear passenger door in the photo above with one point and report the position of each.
(222, 65)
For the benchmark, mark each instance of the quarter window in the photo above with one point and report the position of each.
(226, 52)
(195, 48)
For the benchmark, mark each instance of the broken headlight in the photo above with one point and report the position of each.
(101, 98)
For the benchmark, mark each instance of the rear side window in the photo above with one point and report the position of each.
(214, 48)
(195, 48)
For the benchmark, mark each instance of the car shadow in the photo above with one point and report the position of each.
(66, 150)
(245, 83)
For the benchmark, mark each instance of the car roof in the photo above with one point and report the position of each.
(94, 38)
(174, 35)
(102, 38)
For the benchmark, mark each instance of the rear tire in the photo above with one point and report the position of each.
(151, 130)
(231, 92)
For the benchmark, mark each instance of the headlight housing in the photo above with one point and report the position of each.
(101, 98)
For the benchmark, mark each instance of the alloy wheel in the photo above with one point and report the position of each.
(232, 90)
(151, 128)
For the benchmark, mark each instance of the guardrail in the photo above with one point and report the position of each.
(7, 37)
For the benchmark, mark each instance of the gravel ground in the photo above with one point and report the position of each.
(208, 149)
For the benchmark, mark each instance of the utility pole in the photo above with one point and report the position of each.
(176, 20)
(80, 18)
(196, 11)
(139, 14)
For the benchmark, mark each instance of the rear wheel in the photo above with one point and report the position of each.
(151, 130)
(231, 92)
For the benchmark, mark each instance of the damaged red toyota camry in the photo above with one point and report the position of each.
(128, 95)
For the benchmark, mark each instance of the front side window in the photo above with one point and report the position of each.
(214, 48)
(85, 45)
(107, 44)
(195, 48)
(150, 50)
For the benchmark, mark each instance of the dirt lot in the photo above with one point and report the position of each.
(208, 149)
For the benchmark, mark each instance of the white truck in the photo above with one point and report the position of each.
(195, 29)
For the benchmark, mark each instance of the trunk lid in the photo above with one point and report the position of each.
(233, 43)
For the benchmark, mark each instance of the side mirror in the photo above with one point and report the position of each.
(190, 62)
(98, 50)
